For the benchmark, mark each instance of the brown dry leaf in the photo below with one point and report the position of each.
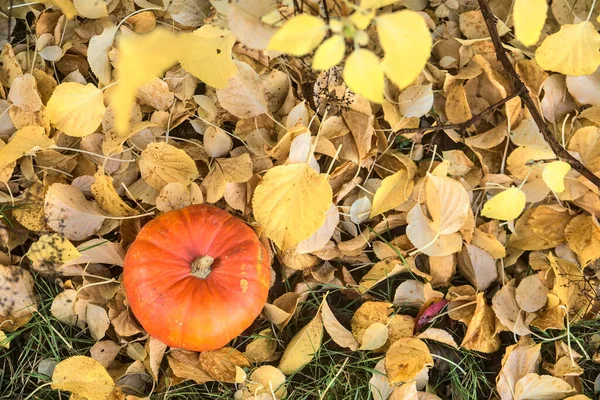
(406, 358)
(478, 266)
(156, 351)
(340, 335)
(185, 364)
(244, 95)
(361, 128)
(524, 237)
(221, 364)
(235, 169)
(480, 332)
(570, 286)
(63, 309)
(519, 360)
(83, 376)
(303, 346)
(175, 196)
(506, 308)
(282, 309)
(16, 284)
(97, 319)
(105, 352)
(550, 222)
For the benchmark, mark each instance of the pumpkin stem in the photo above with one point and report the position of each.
(201, 266)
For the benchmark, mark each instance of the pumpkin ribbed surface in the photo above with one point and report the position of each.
(196, 278)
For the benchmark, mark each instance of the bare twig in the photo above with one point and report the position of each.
(326, 10)
(463, 125)
(519, 86)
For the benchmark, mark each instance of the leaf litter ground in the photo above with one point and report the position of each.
(426, 239)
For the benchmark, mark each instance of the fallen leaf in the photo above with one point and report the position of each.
(70, 214)
(244, 95)
(393, 192)
(303, 346)
(162, 163)
(533, 386)
(340, 335)
(16, 287)
(519, 360)
(221, 364)
(405, 358)
(374, 336)
(76, 109)
(27, 140)
(83, 376)
(285, 191)
(97, 320)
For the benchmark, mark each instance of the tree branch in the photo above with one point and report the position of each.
(463, 125)
(519, 86)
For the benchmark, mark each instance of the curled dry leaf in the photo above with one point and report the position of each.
(380, 386)
(439, 335)
(262, 348)
(340, 335)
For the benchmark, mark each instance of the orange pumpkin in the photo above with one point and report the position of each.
(196, 278)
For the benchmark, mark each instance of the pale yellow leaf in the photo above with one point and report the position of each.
(439, 335)
(407, 42)
(531, 294)
(75, 109)
(303, 346)
(66, 6)
(244, 94)
(97, 320)
(321, 237)
(161, 163)
(376, 3)
(26, 140)
(299, 35)
(529, 17)
(374, 336)
(330, 53)
(536, 387)
(16, 284)
(506, 205)
(519, 360)
(290, 203)
(83, 376)
(136, 66)
(97, 54)
(267, 379)
(364, 75)
(92, 9)
(63, 307)
(206, 54)
(574, 50)
(340, 335)
(554, 175)
(393, 192)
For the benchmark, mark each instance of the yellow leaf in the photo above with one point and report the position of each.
(529, 16)
(206, 54)
(290, 203)
(83, 376)
(534, 386)
(75, 109)
(330, 53)
(66, 6)
(571, 51)
(506, 205)
(162, 163)
(407, 43)
(363, 75)
(405, 358)
(51, 251)
(25, 141)
(107, 197)
(137, 65)
(376, 3)
(299, 35)
(302, 348)
(394, 190)
(91, 9)
(554, 175)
